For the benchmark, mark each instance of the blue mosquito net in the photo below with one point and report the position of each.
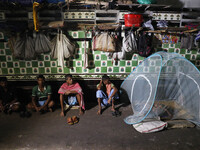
(166, 86)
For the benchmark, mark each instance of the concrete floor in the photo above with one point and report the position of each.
(105, 132)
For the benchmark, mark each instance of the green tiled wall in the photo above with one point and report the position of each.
(99, 63)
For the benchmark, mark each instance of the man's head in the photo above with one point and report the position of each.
(3, 81)
(40, 79)
(68, 79)
(105, 79)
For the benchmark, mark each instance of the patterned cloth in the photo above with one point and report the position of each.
(102, 95)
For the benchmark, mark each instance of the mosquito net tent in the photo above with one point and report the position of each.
(165, 85)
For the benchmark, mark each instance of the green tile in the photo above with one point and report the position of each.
(78, 69)
(47, 64)
(4, 71)
(97, 52)
(74, 63)
(122, 63)
(22, 64)
(141, 58)
(34, 64)
(104, 57)
(187, 56)
(9, 64)
(8, 52)
(66, 70)
(53, 70)
(1, 45)
(128, 69)
(134, 63)
(171, 50)
(2, 58)
(115, 69)
(97, 63)
(81, 34)
(92, 70)
(29, 70)
(79, 44)
(109, 63)
(194, 51)
(41, 70)
(17, 70)
(53, 59)
(177, 45)
(104, 69)
(182, 51)
(165, 45)
(198, 57)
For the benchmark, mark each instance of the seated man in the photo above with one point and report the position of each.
(8, 99)
(106, 94)
(72, 92)
(41, 96)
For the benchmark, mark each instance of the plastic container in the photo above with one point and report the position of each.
(133, 19)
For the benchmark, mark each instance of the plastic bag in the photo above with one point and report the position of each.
(42, 44)
(62, 48)
(104, 42)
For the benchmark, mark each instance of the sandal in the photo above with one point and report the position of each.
(70, 121)
(116, 113)
(75, 119)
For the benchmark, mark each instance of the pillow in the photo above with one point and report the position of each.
(148, 127)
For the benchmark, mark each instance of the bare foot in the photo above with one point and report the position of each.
(99, 112)
(81, 112)
(112, 109)
(50, 110)
(62, 114)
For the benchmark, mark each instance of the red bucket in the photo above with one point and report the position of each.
(133, 19)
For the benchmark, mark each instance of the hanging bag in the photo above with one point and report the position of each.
(144, 44)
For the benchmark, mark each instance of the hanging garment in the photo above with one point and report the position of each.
(120, 54)
(42, 44)
(62, 48)
(129, 42)
(85, 54)
(35, 16)
(197, 38)
(187, 42)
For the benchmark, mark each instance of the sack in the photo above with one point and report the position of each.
(144, 44)
(148, 127)
(104, 42)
